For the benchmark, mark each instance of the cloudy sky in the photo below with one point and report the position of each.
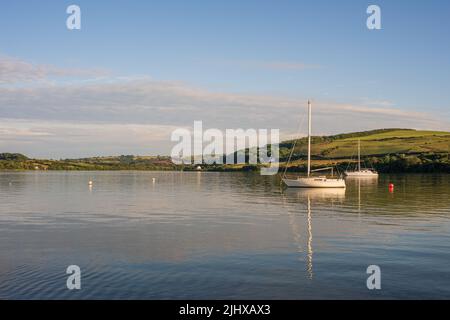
(137, 71)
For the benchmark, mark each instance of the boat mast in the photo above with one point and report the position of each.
(309, 138)
(359, 155)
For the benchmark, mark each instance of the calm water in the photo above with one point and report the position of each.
(221, 235)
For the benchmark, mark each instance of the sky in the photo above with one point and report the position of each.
(138, 70)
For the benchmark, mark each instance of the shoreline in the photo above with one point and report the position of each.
(280, 171)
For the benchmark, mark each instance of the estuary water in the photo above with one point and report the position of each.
(198, 235)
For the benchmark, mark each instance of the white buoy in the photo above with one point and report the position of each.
(90, 182)
(154, 180)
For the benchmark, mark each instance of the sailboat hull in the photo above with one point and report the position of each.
(314, 182)
(362, 173)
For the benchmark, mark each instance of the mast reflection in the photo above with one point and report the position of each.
(333, 195)
(310, 238)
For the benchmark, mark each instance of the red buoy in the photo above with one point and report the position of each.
(391, 187)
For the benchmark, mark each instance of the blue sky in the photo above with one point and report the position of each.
(277, 53)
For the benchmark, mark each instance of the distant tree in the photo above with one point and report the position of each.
(126, 159)
(13, 156)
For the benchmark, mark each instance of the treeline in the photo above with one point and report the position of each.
(401, 163)
(391, 163)
(10, 161)
(13, 157)
(364, 133)
(425, 162)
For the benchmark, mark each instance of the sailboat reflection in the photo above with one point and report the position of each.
(310, 238)
(365, 180)
(316, 194)
(367, 183)
(309, 195)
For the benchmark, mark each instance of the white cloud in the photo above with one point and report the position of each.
(379, 103)
(74, 139)
(13, 71)
(157, 102)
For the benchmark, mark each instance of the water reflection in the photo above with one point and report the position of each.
(318, 194)
(221, 235)
(363, 179)
(367, 182)
(306, 196)
(310, 238)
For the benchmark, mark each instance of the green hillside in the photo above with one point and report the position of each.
(387, 150)
(373, 143)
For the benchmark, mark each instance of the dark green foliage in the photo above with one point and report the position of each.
(364, 133)
(390, 163)
(431, 162)
(13, 157)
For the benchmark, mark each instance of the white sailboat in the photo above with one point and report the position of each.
(316, 181)
(360, 172)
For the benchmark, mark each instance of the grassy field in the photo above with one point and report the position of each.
(374, 143)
